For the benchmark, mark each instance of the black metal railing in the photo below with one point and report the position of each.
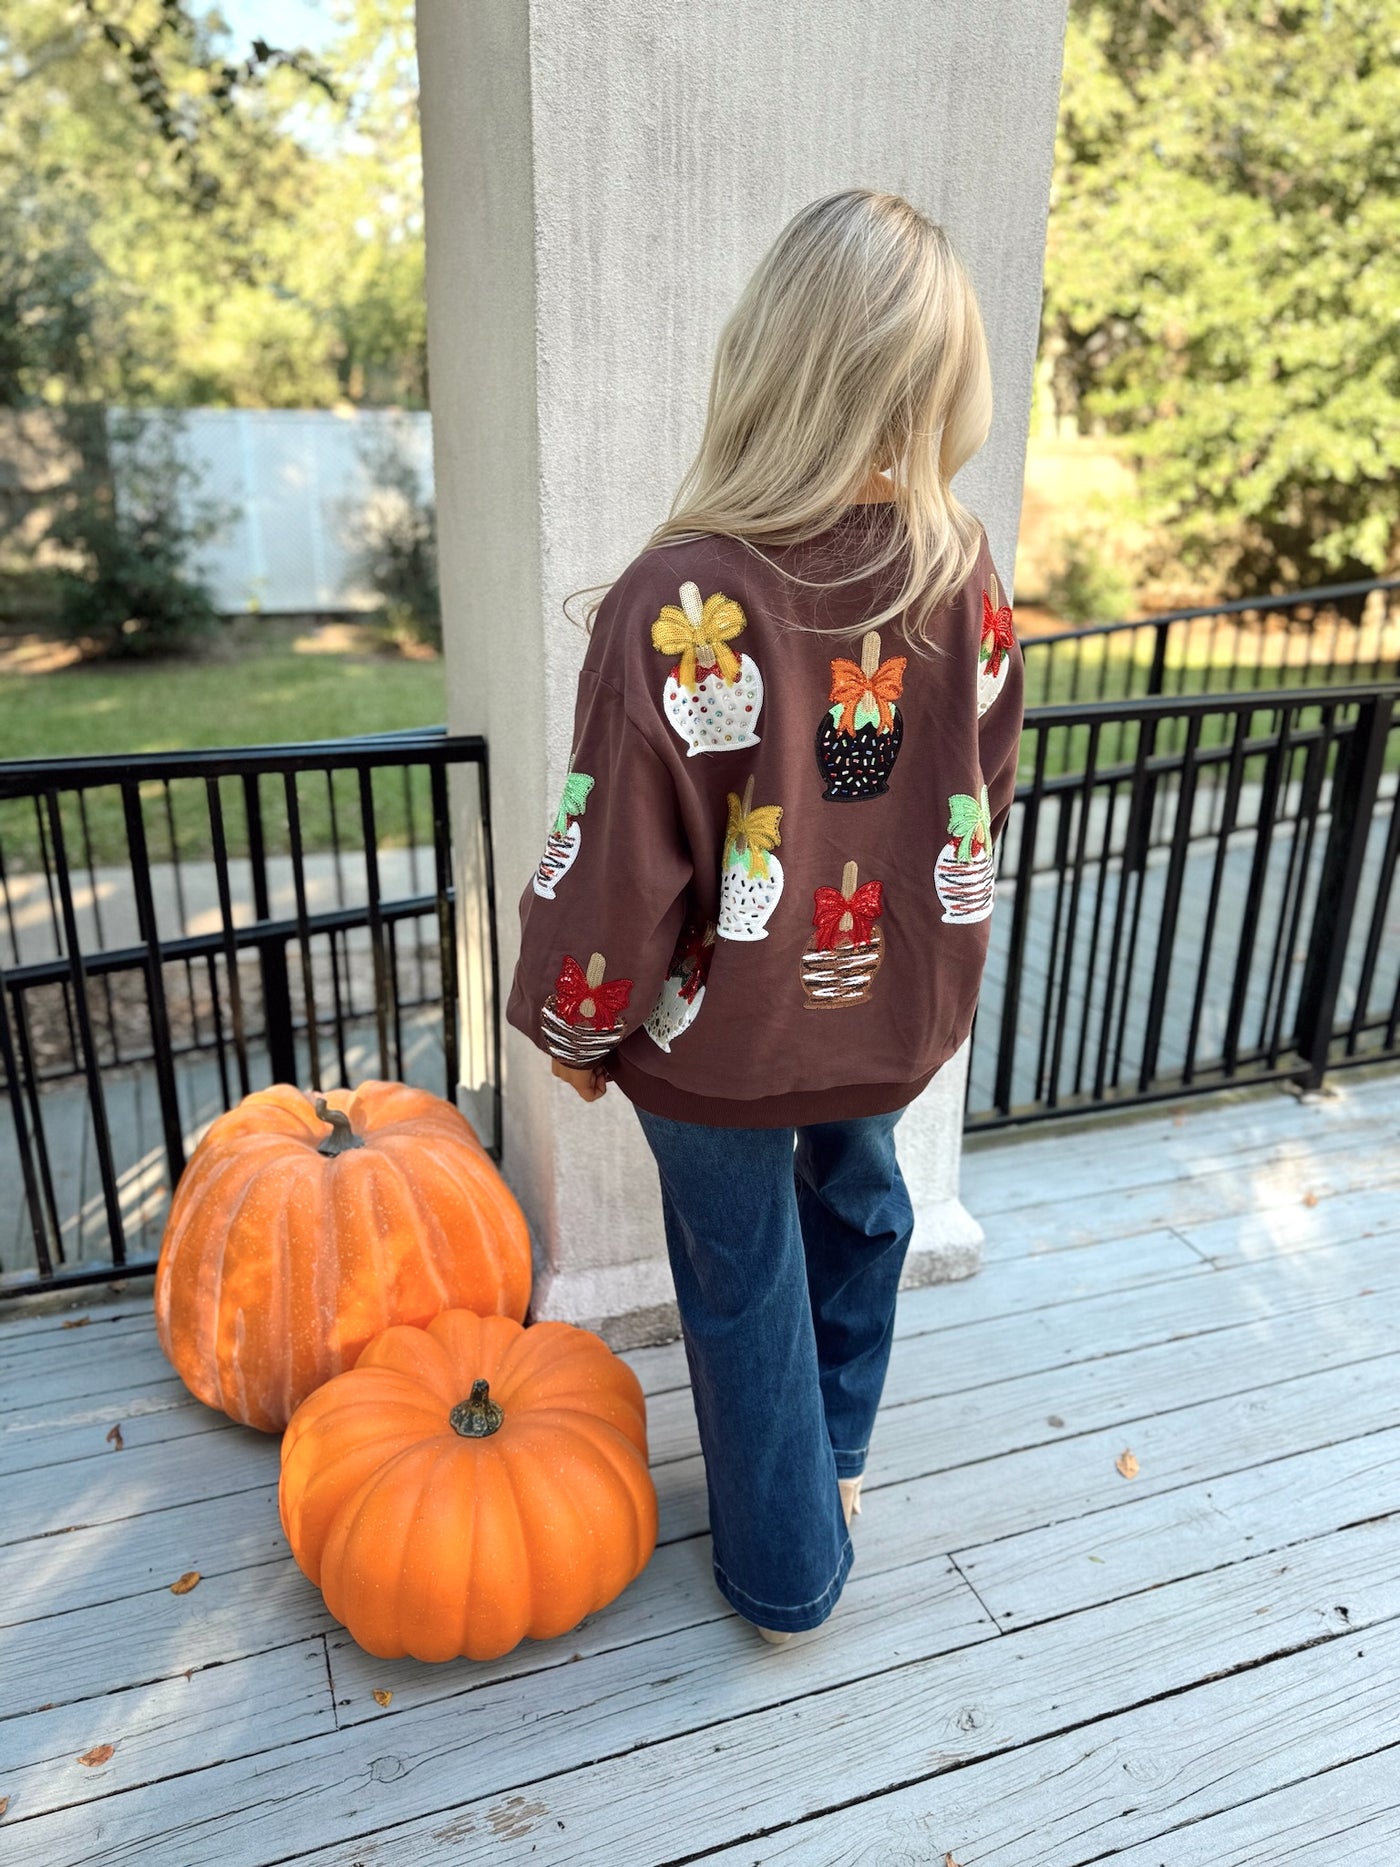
(1203, 895)
(1335, 632)
(179, 929)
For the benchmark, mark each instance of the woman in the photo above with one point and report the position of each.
(762, 904)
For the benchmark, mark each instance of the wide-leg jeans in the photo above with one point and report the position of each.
(786, 1247)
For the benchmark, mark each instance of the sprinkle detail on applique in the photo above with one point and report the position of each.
(713, 695)
(840, 965)
(964, 874)
(561, 845)
(751, 876)
(860, 733)
(683, 989)
(994, 650)
(582, 1017)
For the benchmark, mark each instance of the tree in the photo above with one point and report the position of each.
(1223, 274)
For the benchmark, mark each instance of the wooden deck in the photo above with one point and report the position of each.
(1037, 1661)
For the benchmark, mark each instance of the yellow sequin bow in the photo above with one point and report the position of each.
(707, 624)
(758, 827)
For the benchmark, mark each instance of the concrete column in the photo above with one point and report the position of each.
(601, 176)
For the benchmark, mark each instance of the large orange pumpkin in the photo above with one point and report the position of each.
(302, 1225)
(469, 1484)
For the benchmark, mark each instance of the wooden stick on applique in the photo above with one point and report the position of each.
(870, 653)
(849, 876)
(741, 841)
(595, 973)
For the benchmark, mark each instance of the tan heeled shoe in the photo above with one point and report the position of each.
(850, 1505)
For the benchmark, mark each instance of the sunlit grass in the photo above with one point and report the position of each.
(263, 696)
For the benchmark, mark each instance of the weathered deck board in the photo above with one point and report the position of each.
(1217, 1687)
(243, 1708)
(1072, 1797)
(904, 1712)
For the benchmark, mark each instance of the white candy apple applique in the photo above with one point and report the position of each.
(751, 876)
(684, 986)
(712, 695)
(582, 1018)
(994, 650)
(561, 844)
(964, 874)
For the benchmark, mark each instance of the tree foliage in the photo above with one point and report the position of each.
(182, 223)
(1223, 274)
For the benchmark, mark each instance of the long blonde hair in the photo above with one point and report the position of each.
(857, 343)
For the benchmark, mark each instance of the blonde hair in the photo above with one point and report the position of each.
(857, 343)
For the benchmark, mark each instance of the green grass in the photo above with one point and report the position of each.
(1115, 666)
(264, 693)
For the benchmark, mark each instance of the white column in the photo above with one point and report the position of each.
(601, 176)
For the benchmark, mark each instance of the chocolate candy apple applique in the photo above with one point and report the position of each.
(859, 735)
(684, 985)
(582, 1017)
(994, 650)
(839, 966)
(712, 695)
(964, 874)
(561, 844)
(751, 876)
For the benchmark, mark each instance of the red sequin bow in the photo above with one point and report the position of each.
(997, 624)
(609, 997)
(831, 905)
(850, 685)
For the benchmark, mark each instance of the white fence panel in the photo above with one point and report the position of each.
(297, 484)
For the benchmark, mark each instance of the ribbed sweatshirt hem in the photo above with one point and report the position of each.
(798, 1108)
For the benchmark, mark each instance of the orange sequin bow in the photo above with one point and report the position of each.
(867, 694)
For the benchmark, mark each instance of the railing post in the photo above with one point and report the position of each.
(272, 953)
(1355, 784)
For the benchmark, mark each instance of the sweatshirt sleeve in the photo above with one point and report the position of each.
(600, 916)
(999, 729)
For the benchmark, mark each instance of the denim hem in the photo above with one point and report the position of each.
(788, 1620)
(841, 1471)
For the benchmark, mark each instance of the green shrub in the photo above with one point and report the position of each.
(1089, 586)
(134, 531)
(398, 547)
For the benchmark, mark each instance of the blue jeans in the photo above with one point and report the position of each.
(786, 1247)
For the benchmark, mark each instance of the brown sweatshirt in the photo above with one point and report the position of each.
(764, 897)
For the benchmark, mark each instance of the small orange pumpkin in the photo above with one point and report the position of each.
(469, 1484)
(302, 1225)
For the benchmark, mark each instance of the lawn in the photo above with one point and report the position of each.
(262, 689)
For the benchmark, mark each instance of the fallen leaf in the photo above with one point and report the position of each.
(98, 1754)
(185, 1583)
(1367, 1292)
(948, 1861)
(114, 1438)
(380, 1696)
(1310, 1198)
(4, 1804)
(77, 1322)
(1053, 1419)
(1126, 1463)
(1096, 1558)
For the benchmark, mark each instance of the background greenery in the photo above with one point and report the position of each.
(1223, 276)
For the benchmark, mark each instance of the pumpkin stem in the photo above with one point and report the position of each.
(478, 1416)
(342, 1135)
